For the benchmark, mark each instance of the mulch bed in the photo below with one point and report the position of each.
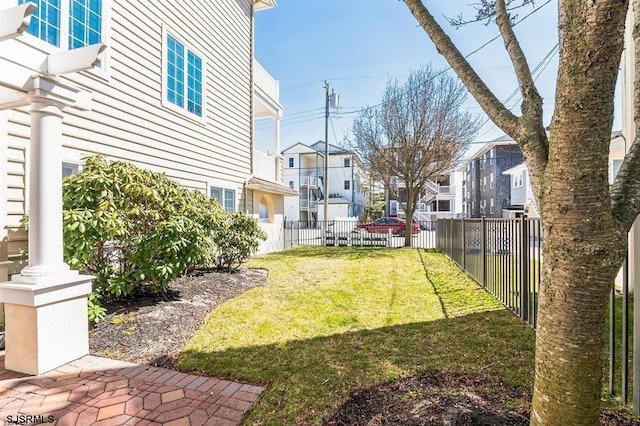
(435, 399)
(152, 329)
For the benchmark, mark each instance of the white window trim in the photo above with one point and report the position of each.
(103, 72)
(77, 164)
(166, 30)
(222, 189)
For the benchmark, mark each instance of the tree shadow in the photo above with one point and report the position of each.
(309, 378)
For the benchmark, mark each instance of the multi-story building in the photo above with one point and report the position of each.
(169, 86)
(304, 173)
(486, 189)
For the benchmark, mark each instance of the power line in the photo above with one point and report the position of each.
(466, 56)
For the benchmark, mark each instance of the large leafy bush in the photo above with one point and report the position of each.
(129, 226)
(236, 237)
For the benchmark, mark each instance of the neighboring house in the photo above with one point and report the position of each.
(166, 95)
(437, 200)
(522, 200)
(486, 190)
(304, 173)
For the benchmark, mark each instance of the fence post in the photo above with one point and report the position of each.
(483, 249)
(525, 286)
(464, 246)
(612, 339)
(625, 328)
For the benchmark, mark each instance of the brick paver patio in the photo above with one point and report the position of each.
(101, 391)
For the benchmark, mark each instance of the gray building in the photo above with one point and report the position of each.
(486, 189)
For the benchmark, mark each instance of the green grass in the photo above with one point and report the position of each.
(331, 320)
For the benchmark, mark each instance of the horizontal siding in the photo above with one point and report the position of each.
(128, 121)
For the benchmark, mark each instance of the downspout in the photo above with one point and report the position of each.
(251, 127)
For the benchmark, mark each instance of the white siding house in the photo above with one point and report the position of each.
(169, 86)
(173, 93)
(304, 173)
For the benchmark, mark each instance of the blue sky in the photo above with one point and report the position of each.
(358, 45)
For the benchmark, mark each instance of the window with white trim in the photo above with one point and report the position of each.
(347, 184)
(291, 162)
(225, 197)
(69, 169)
(291, 184)
(229, 200)
(347, 162)
(183, 76)
(79, 22)
(491, 182)
(491, 206)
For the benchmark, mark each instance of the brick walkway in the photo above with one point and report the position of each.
(100, 391)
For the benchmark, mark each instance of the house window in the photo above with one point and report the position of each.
(614, 169)
(291, 184)
(264, 212)
(229, 200)
(225, 197)
(347, 184)
(69, 169)
(183, 77)
(78, 21)
(491, 206)
(347, 162)
(491, 182)
(484, 183)
(85, 23)
(291, 162)
(216, 193)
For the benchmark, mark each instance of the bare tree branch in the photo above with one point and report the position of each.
(625, 191)
(415, 136)
(492, 106)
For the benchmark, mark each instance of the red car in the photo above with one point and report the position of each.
(384, 224)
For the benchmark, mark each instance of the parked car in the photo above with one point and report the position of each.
(384, 224)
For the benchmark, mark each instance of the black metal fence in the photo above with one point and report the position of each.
(505, 257)
(347, 233)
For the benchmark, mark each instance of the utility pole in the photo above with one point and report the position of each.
(330, 101)
(326, 156)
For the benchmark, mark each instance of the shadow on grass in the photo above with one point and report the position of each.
(308, 379)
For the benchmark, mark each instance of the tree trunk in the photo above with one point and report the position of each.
(583, 249)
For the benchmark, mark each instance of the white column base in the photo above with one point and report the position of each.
(45, 321)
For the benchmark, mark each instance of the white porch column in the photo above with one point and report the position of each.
(276, 148)
(45, 191)
(46, 305)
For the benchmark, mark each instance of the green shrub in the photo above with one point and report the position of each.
(236, 237)
(129, 226)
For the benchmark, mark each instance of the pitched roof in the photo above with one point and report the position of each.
(268, 186)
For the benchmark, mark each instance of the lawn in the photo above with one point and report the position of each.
(331, 320)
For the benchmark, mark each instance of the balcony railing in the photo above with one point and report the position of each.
(263, 80)
(265, 166)
(308, 205)
(311, 181)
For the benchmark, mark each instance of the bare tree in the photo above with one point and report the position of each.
(585, 220)
(415, 135)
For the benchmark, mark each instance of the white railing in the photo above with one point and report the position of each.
(309, 181)
(264, 166)
(310, 205)
(263, 80)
